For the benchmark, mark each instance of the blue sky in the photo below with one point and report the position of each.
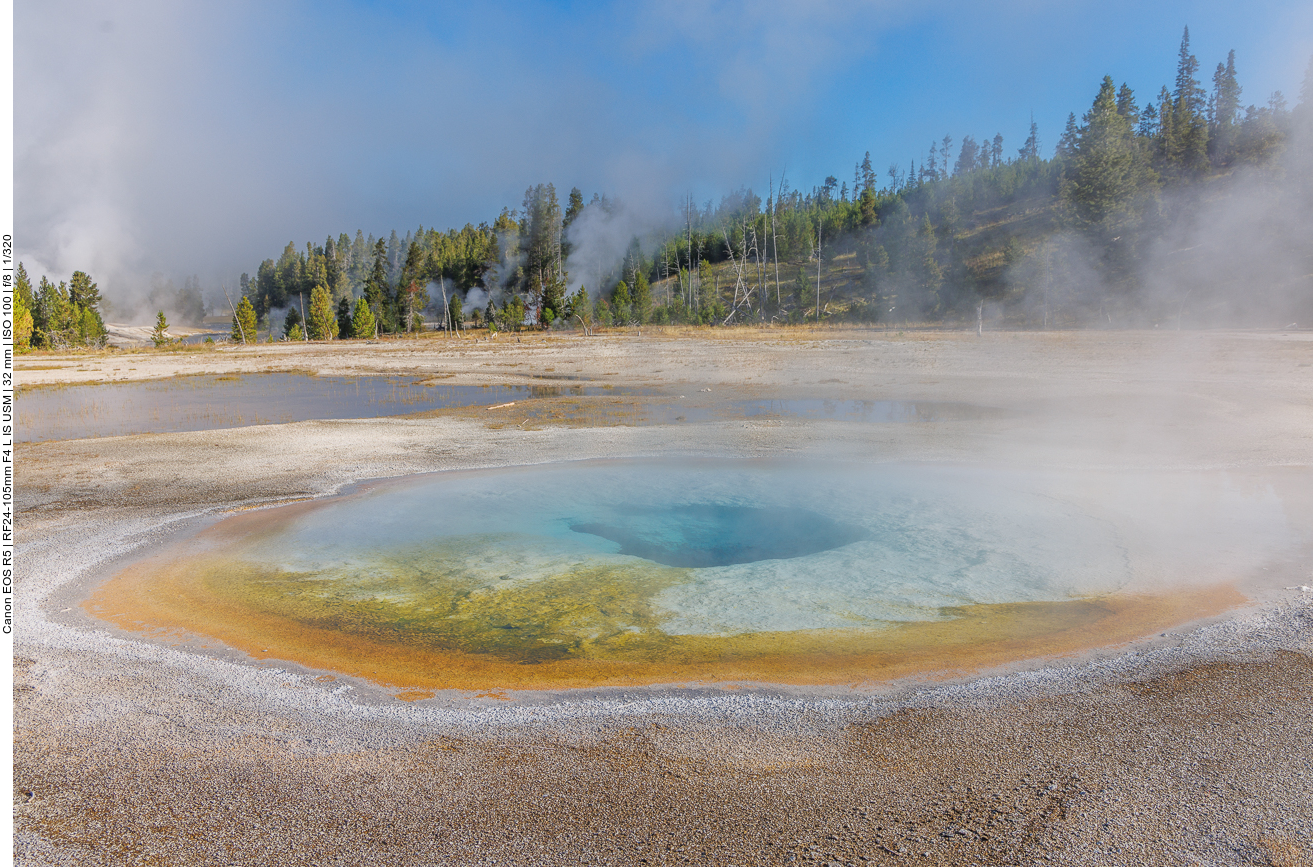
(201, 137)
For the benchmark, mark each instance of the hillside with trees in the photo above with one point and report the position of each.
(1190, 208)
(1111, 229)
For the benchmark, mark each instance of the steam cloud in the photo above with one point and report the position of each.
(1245, 256)
(198, 138)
(1234, 251)
(599, 238)
(183, 138)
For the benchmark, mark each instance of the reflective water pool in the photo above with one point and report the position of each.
(653, 571)
(187, 403)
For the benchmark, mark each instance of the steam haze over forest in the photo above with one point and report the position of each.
(160, 145)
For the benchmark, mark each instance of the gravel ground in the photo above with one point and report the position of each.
(1191, 748)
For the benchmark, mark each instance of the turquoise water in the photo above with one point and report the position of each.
(758, 547)
(702, 535)
(652, 571)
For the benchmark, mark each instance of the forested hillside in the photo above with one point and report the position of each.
(1189, 208)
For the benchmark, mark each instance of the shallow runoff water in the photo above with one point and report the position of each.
(655, 571)
(187, 403)
(204, 402)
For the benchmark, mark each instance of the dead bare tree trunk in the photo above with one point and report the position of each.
(756, 255)
(697, 296)
(236, 318)
(688, 221)
(760, 253)
(1180, 310)
(1047, 254)
(820, 224)
(446, 306)
(774, 239)
(739, 288)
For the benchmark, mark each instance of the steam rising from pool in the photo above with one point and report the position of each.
(766, 547)
(628, 569)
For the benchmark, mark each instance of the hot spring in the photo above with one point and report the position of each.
(659, 571)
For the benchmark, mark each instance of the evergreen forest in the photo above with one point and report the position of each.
(1189, 208)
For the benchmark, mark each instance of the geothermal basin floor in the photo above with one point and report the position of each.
(1193, 746)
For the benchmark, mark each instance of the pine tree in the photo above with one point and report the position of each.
(23, 285)
(1188, 91)
(642, 299)
(1067, 142)
(930, 274)
(394, 253)
(1126, 105)
(344, 326)
(411, 301)
(24, 305)
(1030, 150)
(456, 311)
(362, 321)
(866, 208)
(160, 335)
(967, 157)
(1224, 107)
(189, 303)
(82, 291)
(90, 327)
(580, 307)
(315, 271)
(513, 313)
(1108, 172)
(53, 317)
(292, 321)
(1148, 122)
(332, 264)
(573, 209)
(376, 286)
(621, 303)
(360, 252)
(540, 234)
(22, 322)
(553, 299)
(1223, 112)
(1165, 134)
(1185, 139)
(876, 270)
(244, 322)
(413, 270)
(323, 319)
(286, 277)
(804, 290)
